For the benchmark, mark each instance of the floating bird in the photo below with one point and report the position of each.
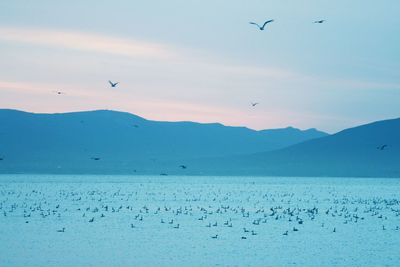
(254, 104)
(95, 158)
(1, 159)
(163, 174)
(113, 84)
(214, 236)
(183, 166)
(62, 230)
(319, 21)
(263, 26)
(381, 147)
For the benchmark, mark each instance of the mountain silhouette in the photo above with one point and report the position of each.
(352, 152)
(124, 143)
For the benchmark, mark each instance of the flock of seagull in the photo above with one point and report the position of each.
(260, 27)
(245, 212)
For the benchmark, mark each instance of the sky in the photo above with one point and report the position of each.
(187, 60)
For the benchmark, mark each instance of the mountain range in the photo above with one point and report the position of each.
(112, 142)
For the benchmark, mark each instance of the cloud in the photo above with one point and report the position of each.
(87, 42)
(182, 83)
(32, 88)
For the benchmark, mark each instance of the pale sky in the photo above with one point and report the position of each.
(202, 60)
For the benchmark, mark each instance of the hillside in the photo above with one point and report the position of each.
(356, 152)
(123, 142)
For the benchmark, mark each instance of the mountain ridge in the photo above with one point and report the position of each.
(68, 140)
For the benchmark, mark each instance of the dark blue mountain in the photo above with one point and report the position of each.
(371, 150)
(116, 142)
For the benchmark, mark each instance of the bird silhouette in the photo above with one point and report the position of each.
(254, 104)
(113, 84)
(59, 92)
(183, 166)
(261, 28)
(382, 147)
(95, 158)
(319, 21)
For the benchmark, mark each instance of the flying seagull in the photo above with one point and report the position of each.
(254, 104)
(263, 26)
(381, 147)
(113, 84)
(319, 21)
(59, 92)
(183, 166)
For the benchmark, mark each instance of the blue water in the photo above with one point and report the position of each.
(91, 220)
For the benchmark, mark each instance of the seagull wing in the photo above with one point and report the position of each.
(268, 21)
(110, 82)
(255, 24)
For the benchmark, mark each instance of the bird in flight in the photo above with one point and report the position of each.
(183, 166)
(254, 104)
(95, 158)
(113, 84)
(263, 26)
(319, 21)
(59, 92)
(381, 147)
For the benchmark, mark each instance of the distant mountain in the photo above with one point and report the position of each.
(115, 142)
(368, 150)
